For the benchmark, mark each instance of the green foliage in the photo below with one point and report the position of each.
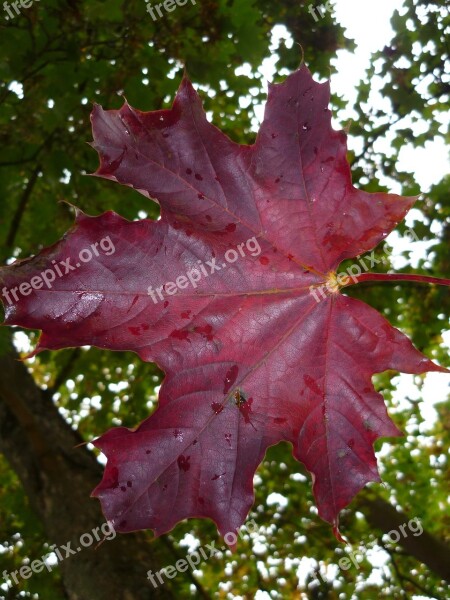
(70, 54)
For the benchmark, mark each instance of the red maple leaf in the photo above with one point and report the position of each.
(220, 292)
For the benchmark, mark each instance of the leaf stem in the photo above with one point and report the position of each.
(398, 277)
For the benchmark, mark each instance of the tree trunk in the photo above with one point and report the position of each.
(58, 479)
(426, 548)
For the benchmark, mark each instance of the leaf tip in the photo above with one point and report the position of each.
(337, 534)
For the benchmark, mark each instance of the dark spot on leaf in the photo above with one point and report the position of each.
(129, 484)
(217, 408)
(217, 476)
(179, 334)
(205, 331)
(279, 420)
(115, 164)
(114, 477)
(183, 462)
(246, 409)
(389, 332)
(309, 381)
(230, 227)
(230, 378)
(189, 171)
(198, 177)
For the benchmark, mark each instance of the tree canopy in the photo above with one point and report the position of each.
(57, 58)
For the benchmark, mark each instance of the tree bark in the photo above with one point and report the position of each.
(58, 479)
(426, 548)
